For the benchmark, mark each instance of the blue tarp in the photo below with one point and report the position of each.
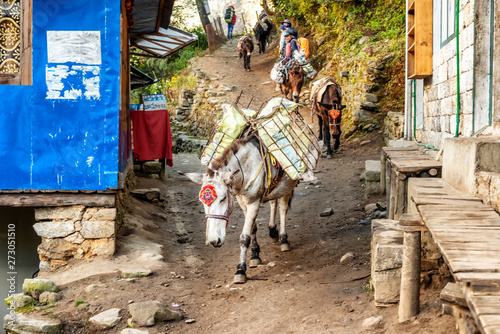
(61, 132)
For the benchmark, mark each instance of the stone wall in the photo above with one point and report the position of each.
(74, 232)
(440, 90)
(364, 77)
(197, 112)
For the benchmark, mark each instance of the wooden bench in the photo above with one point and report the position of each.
(467, 234)
(398, 164)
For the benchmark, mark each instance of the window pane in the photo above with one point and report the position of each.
(444, 20)
(10, 36)
(451, 18)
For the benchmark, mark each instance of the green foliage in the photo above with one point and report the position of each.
(79, 302)
(166, 71)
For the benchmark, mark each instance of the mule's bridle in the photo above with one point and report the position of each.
(225, 216)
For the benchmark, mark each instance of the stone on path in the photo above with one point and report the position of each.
(146, 194)
(20, 300)
(49, 297)
(138, 273)
(24, 325)
(348, 257)
(266, 83)
(372, 323)
(327, 212)
(107, 319)
(41, 285)
(149, 312)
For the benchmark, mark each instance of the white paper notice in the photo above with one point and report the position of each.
(81, 47)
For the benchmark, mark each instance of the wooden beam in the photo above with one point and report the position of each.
(160, 14)
(44, 200)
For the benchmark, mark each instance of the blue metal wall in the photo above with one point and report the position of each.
(54, 143)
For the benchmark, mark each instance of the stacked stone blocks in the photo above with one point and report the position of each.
(386, 262)
(74, 232)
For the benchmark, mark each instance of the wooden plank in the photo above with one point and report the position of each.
(472, 207)
(484, 290)
(454, 215)
(470, 246)
(490, 320)
(469, 236)
(41, 200)
(477, 277)
(453, 294)
(473, 266)
(492, 329)
(444, 200)
(447, 223)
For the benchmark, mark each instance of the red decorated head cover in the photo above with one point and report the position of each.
(208, 194)
(334, 113)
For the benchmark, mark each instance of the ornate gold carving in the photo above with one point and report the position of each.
(10, 36)
(7, 4)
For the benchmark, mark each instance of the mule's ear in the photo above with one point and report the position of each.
(195, 177)
(342, 106)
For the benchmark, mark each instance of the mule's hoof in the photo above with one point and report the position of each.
(239, 279)
(285, 247)
(254, 263)
(329, 156)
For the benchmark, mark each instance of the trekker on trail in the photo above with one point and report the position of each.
(291, 43)
(230, 18)
(285, 24)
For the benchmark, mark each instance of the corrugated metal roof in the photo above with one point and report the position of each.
(164, 42)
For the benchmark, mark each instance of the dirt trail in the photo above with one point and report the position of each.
(305, 290)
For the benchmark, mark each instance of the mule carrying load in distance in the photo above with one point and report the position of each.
(291, 73)
(262, 31)
(254, 157)
(326, 97)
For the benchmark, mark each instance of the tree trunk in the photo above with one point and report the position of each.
(203, 14)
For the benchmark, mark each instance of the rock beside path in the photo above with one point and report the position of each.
(135, 273)
(327, 212)
(372, 323)
(107, 319)
(145, 314)
(146, 194)
(348, 257)
(22, 324)
(41, 285)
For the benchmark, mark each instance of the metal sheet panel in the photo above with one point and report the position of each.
(69, 141)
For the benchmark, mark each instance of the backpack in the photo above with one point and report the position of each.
(228, 17)
(304, 45)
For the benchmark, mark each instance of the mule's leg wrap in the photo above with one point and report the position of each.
(242, 266)
(283, 240)
(273, 231)
(254, 258)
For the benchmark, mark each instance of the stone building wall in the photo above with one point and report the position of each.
(74, 232)
(440, 99)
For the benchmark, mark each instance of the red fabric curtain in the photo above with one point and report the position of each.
(152, 135)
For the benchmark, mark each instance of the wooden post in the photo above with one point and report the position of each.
(383, 161)
(409, 300)
(210, 37)
(244, 24)
(221, 27)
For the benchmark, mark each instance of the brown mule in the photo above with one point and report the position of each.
(293, 82)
